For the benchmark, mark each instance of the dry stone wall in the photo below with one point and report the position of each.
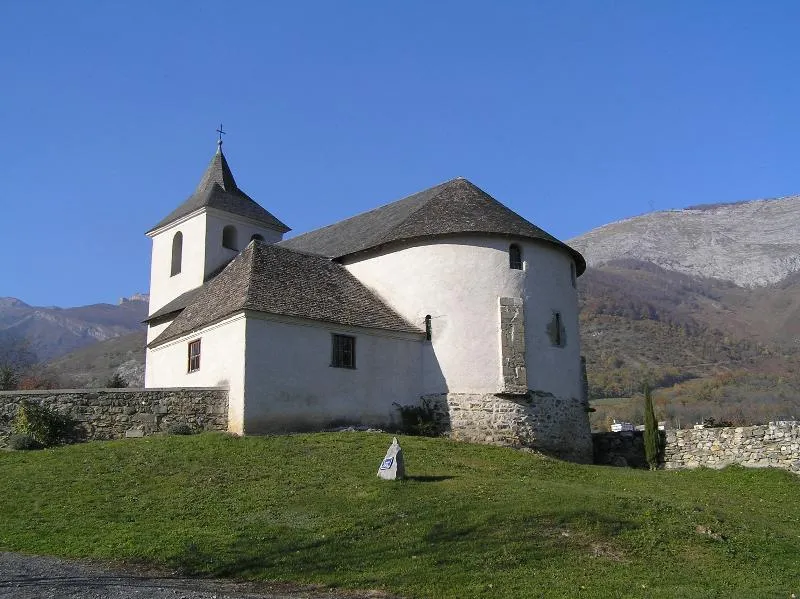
(117, 413)
(775, 444)
(554, 425)
(769, 445)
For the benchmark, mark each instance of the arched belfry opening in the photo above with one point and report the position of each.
(177, 254)
(229, 238)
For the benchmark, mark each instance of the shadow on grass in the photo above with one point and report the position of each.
(363, 555)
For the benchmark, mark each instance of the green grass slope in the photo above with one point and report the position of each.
(472, 521)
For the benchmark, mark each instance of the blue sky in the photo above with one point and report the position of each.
(573, 113)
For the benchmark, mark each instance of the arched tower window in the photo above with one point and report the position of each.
(229, 237)
(428, 328)
(257, 237)
(514, 257)
(177, 254)
(573, 276)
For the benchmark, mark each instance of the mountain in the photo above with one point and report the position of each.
(751, 244)
(30, 334)
(702, 302)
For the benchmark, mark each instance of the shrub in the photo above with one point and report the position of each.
(20, 442)
(420, 420)
(180, 428)
(45, 426)
(8, 378)
(116, 382)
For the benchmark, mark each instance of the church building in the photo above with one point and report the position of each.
(445, 296)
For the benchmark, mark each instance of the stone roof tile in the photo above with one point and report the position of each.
(218, 189)
(275, 280)
(454, 207)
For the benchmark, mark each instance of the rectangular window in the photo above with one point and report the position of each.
(194, 355)
(344, 351)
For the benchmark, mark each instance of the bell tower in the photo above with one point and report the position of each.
(197, 239)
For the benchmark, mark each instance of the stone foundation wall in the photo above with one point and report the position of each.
(774, 444)
(553, 425)
(116, 413)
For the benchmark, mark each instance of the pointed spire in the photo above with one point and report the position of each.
(218, 172)
(217, 189)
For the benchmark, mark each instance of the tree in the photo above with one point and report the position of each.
(116, 381)
(8, 378)
(652, 439)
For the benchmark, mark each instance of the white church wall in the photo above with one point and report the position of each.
(291, 385)
(216, 255)
(548, 289)
(222, 347)
(165, 287)
(458, 280)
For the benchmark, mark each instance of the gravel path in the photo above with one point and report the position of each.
(34, 577)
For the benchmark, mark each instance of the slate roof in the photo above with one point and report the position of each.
(176, 305)
(456, 206)
(218, 189)
(276, 280)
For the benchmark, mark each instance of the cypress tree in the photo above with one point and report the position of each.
(651, 436)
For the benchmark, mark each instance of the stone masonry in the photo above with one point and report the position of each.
(775, 444)
(768, 445)
(512, 345)
(553, 425)
(117, 413)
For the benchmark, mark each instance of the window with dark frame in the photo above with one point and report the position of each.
(514, 257)
(194, 356)
(573, 275)
(344, 351)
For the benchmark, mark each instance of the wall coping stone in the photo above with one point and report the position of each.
(109, 390)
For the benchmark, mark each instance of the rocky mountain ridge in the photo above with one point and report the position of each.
(30, 334)
(752, 244)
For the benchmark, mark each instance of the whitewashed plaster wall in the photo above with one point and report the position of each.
(222, 347)
(163, 286)
(457, 280)
(549, 289)
(291, 385)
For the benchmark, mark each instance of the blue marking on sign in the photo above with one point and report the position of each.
(387, 463)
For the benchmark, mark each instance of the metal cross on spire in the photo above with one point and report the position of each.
(221, 133)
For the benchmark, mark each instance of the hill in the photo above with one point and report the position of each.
(717, 350)
(472, 520)
(703, 302)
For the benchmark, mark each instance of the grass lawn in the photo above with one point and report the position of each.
(473, 521)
